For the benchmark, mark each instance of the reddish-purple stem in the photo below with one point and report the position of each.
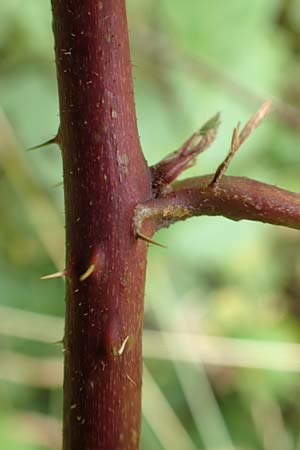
(235, 197)
(105, 176)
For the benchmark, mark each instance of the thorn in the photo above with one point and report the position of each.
(44, 144)
(54, 140)
(122, 348)
(119, 352)
(150, 241)
(87, 273)
(54, 275)
(130, 379)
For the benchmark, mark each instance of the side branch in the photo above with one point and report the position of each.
(236, 198)
(168, 169)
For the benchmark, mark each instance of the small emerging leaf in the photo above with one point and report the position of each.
(212, 123)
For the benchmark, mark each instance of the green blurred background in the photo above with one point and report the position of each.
(224, 374)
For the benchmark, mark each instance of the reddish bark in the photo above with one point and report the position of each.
(236, 198)
(105, 176)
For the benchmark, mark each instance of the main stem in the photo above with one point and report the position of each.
(105, 177)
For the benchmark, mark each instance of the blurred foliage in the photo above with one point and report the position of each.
(238, 280)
